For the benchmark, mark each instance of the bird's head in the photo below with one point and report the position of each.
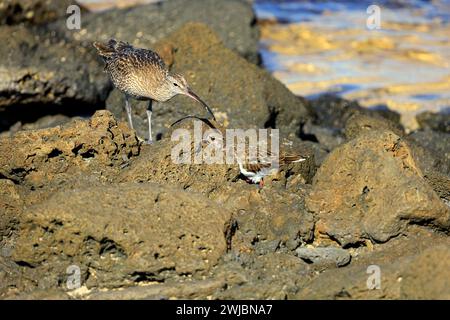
(177, 84)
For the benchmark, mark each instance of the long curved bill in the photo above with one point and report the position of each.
(192, 94)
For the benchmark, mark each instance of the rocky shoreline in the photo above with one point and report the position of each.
(82, 191)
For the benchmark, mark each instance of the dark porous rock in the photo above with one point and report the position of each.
(232, 20)
(333, 112)
(371, 188)
(437, 121)
(121, 234)
(329, 138)
(440, 184)
(32, 11)
(44, 122)
(335, 119)
(36, 72)
(240, 93)
(324, 255)
(11, 204)
(36, 157)
(432, 150)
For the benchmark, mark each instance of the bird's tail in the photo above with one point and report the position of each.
(106, 50)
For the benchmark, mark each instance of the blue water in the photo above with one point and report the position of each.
(368, 75)
(291, 11)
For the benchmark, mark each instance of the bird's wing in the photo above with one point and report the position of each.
(144, 58)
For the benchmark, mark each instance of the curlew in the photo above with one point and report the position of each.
(141, 74)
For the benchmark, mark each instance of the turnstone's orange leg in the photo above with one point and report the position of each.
(261, 183)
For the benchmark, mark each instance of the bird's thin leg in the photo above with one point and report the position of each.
(149, 118)
(128, 110)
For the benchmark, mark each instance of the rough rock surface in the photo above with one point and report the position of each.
(359, 124)
(38, 71)
(427, 275)
(232, 20)
(137, 232)
(324, 255)
(408, 268)
(371, 188)
(32, 11)
(86, 194)
(434, 121)
(188, 171)
(333, 120)
(241, 94)
(432, 150)
(36, 157)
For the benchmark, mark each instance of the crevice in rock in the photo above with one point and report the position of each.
(306, 136)
(90, 153)
(146, 276)
(108, 246)
(25, 264)
(230, 230)
(31, 112)
(17, 175)
(271, 122)
(54, 153)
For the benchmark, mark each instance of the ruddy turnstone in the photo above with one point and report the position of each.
(254, 166)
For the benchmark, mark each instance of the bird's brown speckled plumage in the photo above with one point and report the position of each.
(139, 73)
(142, 74)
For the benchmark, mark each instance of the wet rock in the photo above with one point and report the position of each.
(241, 94)
(37, 71)
(434, 121)
(36, 157)
(32, 11)
(325, 255)
(371, 188)
(232, 20)
(121, 234)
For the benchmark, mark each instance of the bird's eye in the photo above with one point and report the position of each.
(175, 84)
